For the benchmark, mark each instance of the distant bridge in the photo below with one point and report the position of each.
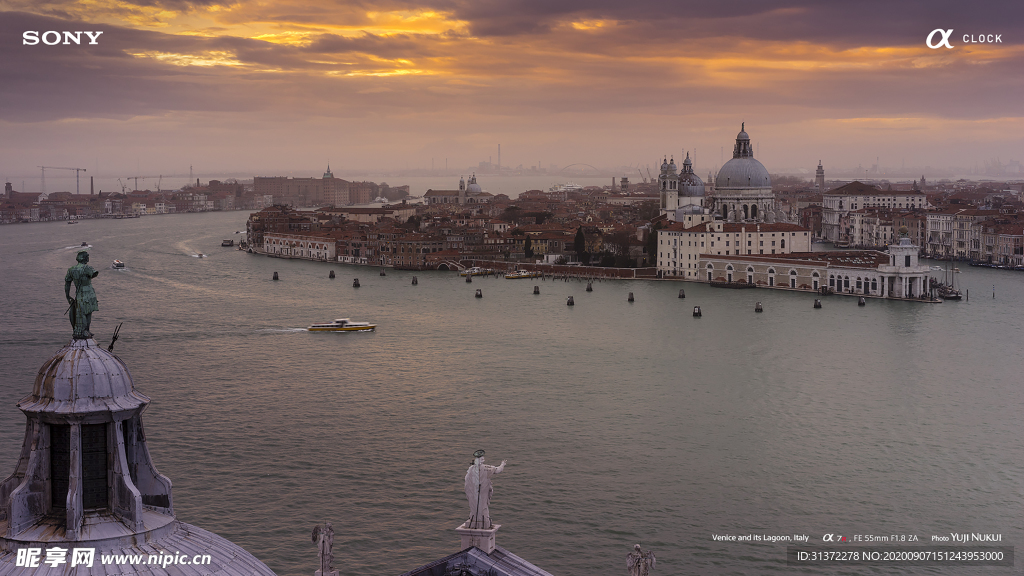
(579, 164)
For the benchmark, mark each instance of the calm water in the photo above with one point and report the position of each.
(622, 423)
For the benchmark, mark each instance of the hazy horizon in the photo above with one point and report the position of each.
(287, 87)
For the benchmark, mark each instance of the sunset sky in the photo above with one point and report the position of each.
(268, 87)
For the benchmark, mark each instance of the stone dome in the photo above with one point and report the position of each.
(80, 378)
(744, 172)
(690, 185)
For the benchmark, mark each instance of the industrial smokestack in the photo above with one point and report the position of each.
(91, 189)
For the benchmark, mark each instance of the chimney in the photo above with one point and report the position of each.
(92, 190)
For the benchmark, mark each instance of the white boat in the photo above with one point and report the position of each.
(342, 325)
(476, 271)
(568, 187)
(523, 274)
(118, 265)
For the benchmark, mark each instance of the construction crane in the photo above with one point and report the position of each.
(642, 177)
(42, 177)
(136, 178)
(123, 187)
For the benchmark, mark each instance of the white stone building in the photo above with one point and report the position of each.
(839, 202)
(681, 248)
(308, 246)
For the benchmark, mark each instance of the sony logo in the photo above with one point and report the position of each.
(53, 37)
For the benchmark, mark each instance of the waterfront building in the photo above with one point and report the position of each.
(743, 188)
(410, 250)
(328, 190)
(778, 256)
(308, 245)
(839, 202)
(85, 489)
(998, 242)
(681, 248)
(468, 193)
(949, 230)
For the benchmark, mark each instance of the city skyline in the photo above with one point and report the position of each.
(287, 87)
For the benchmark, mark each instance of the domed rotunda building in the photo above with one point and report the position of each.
(85, 497)
(743, 187)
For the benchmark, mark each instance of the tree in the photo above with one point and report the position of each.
(651, 257)
(528, 248)
(580, 246)
(620, 242)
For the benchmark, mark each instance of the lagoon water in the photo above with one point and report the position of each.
(622, 423)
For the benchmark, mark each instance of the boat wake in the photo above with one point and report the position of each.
(283, 330)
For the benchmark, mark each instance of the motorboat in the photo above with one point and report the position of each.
(228, 242)
(118, 265)
(523, 274)
(475, 271)
(342, 325)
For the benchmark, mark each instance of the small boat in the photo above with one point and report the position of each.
(523, 274)
(85, 243)
(200, 255)
(342, 325)
(118, 265)
(227, 242)
(72, 221)
(476, 271)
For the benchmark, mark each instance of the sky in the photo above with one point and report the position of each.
(267, 87)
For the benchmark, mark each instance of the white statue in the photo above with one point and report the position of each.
(639, 563)
(479, 490)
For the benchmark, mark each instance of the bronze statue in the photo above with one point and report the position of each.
(84, 303)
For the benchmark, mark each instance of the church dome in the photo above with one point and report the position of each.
(743, 173)
(81, 378)
(690, 184)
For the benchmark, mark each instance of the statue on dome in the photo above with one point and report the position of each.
(84, 303)
(479, 490)
(639, 563)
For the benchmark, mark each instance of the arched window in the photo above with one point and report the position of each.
(846, 283)
(831, 281)
(771, 276)
(753, 211)
(746, 211)
(792, 277)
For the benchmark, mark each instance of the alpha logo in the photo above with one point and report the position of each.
(945, 38)
(968, 38)
(53, 37)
